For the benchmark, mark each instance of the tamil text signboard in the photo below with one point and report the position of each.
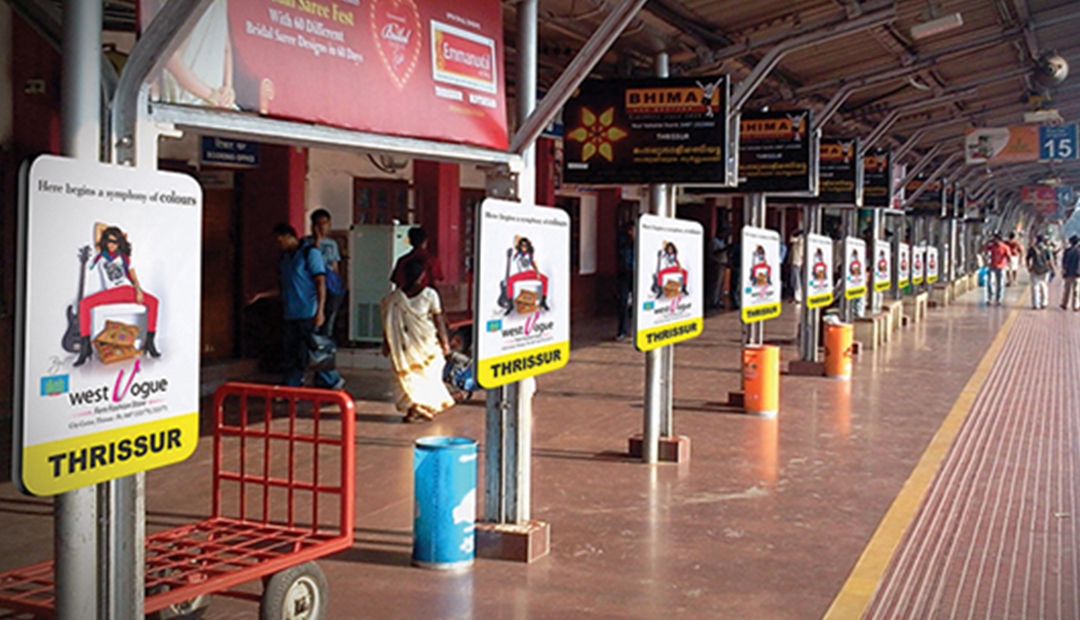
(760, 277)
(855, 273)
(930, 202)
(775, 152)
(418, 68)
(108, 357)
(819, 271)
(840, 173)
(647, 131)
(668, 296)
(522, 306)
(877, 188)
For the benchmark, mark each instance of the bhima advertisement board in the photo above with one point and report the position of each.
(420, 68)
(877, 183)
(819, 271)
(668, 296)
(647, 131)
(760, 277)
(855, 276)
(108, 356)
(522, 306)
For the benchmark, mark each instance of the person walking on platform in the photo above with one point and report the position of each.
(999, 260)
(416, 341)
(335, 284)
(1040, 264)
(625, 278)
(1015, 252)
(1070, 270)
(795, 253)
(419, 242)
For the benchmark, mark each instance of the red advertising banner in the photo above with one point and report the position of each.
(427, 69)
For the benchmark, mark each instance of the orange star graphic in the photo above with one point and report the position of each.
(597, 134)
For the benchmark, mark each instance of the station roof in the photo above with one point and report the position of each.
(984, 68)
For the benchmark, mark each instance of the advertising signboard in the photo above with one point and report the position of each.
(647, 131)
(668, 297)
(930, 203)
(903, 266)
(877, 188)
(1001, 145)
(855, 269)
(760, 277)
(918, 264)
(931, 264)
(882, 266)
(775, 152)
(819, 271)
(522, 305)
(108, 330)
(840, 173)
(420, 68)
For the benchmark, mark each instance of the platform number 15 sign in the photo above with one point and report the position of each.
(1057, 142)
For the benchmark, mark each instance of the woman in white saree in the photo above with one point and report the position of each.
(415, 340)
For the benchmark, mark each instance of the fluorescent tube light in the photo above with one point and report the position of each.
(936, 26)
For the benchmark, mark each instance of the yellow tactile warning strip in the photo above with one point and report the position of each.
(858, 590)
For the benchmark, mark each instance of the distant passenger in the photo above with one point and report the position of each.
(1070, 270)
(999, 252)
(418, 241)
(335, 283)
(1040, 264)
(1016, 251)
(625, 278)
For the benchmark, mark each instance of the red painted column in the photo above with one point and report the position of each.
(438, 200)
(297, 183)
(546, 172)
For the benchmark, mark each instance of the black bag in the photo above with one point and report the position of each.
(322, 353)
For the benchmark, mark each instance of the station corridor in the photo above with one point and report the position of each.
(816, 513)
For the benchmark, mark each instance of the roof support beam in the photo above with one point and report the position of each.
(921, 164)
(574, 74)
(910, 108)
(768, 62)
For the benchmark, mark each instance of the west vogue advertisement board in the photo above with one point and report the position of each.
(903, 266)
(428, 69)
(668, 296)
(647, 131)
(522, 305)
(855, 276)
(760, 277)
(819, 271)
(109, 347)
(882, 266)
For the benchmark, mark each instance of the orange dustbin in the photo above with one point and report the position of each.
(761, 379)
(838, 348)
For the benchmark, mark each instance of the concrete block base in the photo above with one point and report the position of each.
(806, 368)
(672, 449)
(524, 542)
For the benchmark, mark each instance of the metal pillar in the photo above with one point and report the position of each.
(849, 220)
(811, 322)
(754, 215)
(75, 533)
(877, 226)
(658, 362)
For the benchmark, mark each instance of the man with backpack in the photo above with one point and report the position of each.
(1040, 264)
(335, 282)
(1070, 270)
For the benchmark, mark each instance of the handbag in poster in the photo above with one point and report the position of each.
(522, 306)
(819, 271)
(903, 266)
(760, 277)
(108, 358)
(882, 266)
(855, 276)
(668, 283)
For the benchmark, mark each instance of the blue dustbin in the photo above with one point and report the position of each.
(444, 512)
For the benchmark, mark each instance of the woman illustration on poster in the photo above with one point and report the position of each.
(819, 272)
(668, 269)
(856, 265)
(518, 289)
(119, 284)
(882, 264)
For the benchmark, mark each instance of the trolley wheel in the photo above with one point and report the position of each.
(187, 610)
(296, 593)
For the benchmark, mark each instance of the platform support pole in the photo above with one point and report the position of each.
(810, 322)
(754, 215)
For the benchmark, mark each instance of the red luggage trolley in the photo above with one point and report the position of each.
(251, 534)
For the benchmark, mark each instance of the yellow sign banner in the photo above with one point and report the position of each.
(68, 464)
(496, 371)
(819, 301)
(761, 313)
(882, 285)
(671, 333)
(855, 293)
